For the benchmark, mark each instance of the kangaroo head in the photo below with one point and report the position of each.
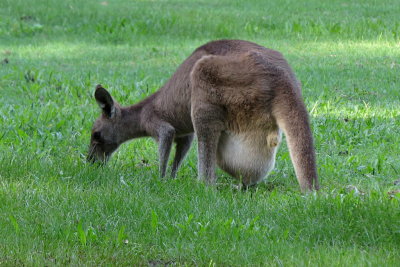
(105, 137)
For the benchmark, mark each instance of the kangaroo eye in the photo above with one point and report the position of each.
(97, 136)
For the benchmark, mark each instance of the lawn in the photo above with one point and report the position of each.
(55, 209)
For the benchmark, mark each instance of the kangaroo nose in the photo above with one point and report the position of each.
(90, 158)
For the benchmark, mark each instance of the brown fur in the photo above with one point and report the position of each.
(236, 96)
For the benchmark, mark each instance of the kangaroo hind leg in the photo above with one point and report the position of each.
(208, 125)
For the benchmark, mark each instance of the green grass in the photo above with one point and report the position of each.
(57, 210)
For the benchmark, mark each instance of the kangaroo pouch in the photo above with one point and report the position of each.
(248, 156)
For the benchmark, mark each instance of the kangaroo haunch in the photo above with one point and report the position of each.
(236, 96)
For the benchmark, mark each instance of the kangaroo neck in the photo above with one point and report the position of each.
(137, 117)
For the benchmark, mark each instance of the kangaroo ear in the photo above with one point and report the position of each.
(105, 101)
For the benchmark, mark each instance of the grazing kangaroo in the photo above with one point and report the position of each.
(236, 96)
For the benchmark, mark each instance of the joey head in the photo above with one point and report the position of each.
(237, 97)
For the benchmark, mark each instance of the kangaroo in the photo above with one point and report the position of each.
(236, 96)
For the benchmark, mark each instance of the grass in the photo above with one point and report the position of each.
(57, 210)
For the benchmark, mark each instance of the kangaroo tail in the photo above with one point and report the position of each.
(291, 115)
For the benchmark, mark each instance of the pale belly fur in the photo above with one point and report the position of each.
(248, 156)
